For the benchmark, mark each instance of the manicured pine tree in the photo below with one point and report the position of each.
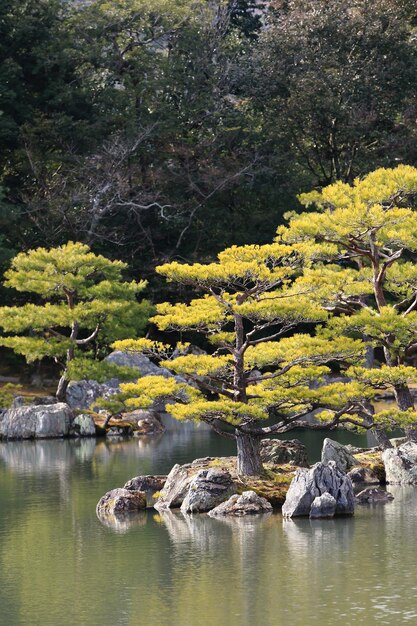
(257, 369)
(79, 303)
(360, 250)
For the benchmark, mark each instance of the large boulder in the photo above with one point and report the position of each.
(279, 452)
(249, 503)
(150, 485)
(121, 502)
(36, 422)
(309, 484)
(207, 490)
(340, 454)
(401, 464)
(82, 394)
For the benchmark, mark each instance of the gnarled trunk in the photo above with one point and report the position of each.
(248, 455)
(61, 392)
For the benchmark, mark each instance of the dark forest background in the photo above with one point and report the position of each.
(171, 129)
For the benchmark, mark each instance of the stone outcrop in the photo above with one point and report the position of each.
(340, 454)
(363, 476)
(36, 422)
(320, 479)
(372, 495)
(83, 426)
(249, 503)
(207, 490)
(82, 394)
(146, 483)
(175, 488)
(279, 452)
(401, 464)
(323, 506)
(121, 502)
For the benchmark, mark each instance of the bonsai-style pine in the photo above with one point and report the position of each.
(80, 303)
(260, 376)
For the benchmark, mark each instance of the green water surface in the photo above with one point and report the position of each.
(59, 566)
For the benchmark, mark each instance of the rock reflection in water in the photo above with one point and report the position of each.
(122, 523)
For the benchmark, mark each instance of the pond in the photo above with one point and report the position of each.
(59, 566)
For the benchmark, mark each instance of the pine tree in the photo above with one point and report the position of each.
(80, 302)
(257, 369)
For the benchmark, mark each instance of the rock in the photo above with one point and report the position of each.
(280, 452)
(371, 495)
(33, 400)
(398, 441)
(401, 464)
(36, 422)
(207, 490)
(340, 454)
(138, 361)
(83, 393)
(323, 506)
(320, 479)
(145, 483)
(121, 502)
(363, 476)
(83, 426)
(249, 503)
(175, 488)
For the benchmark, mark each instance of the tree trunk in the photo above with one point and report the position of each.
(405, 401)
(61, 392)
(248, 456)
(382, 438)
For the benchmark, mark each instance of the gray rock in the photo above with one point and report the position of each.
(207, 490)
(340, 454)
(279, 452)
(83, 393)
(121, 502)
(401, 464)
(36, 422)
(323, 506)
(138, 361)
(83, 426)
(363, 476)
(175, 488)
(371, 495)
(320, 479)
(145, 483)
(33, 400)
(249, 503)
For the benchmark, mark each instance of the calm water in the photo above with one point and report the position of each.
(60, 566)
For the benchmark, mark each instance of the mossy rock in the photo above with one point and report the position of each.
(373, 461)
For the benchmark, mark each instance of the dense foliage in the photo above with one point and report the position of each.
(173, 129)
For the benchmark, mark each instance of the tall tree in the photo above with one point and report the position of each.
(255, 371)
(361, 246)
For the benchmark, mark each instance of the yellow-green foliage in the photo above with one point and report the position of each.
(7, 394)
(79, 295)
